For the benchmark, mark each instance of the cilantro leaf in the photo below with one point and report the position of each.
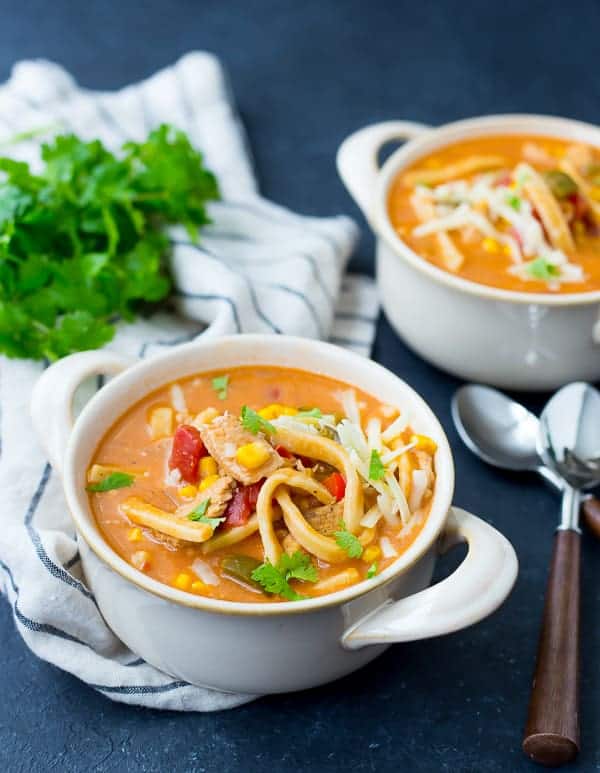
(372, 570)
(220, 384)
(254, 422)
(298, 566)
(514, 201)
(541, 269)
(199, 515)
(376, 468)
(348, 542)
(275, 578)
(113, 481)
(82, 243)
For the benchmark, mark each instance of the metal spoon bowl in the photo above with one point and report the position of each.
(504, 434)
(499, 430)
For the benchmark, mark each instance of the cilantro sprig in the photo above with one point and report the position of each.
(199, 515)
(112, 481)
(348, 542)
(376, 468)
(254, 422)
(82, 242)
(221, 384)
(275, 578)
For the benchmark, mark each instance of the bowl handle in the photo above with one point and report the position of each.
(357, 157)
(52, 397)
(473, 591)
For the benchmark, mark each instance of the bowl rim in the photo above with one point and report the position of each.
(444, 135)
(113, 391)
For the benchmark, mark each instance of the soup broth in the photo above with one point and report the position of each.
(261, 484)
(514, 212)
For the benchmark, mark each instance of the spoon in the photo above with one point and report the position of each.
(504, 433)
(569, 444)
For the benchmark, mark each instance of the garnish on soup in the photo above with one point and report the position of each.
(518, 213)
(261, 501)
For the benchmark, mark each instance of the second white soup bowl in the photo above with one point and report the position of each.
(515, 340)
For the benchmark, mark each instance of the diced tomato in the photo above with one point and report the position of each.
(284, 453)
(187, 450)
(253, 491)
(336, 485)
(242, 504)
(580, 206)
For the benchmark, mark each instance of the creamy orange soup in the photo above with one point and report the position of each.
(515, 212)
(261, 484)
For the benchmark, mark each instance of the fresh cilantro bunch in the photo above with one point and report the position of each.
(275, 579)
(81, 243)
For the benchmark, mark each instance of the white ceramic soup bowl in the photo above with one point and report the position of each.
(266, 647)
(517, 340)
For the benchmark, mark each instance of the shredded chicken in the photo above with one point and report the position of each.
(223, 436)
(218, 494)
(326, 519)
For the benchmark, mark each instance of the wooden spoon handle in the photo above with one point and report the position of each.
(591, 515)
(552, 730)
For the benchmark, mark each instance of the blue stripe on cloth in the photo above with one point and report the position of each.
(304, 299)
(109, 120)
(34, 625)
(249, 286)
(139, 689)
(51, 630)
(72, 561)
(303, 256)
(53, 569)
(353, 316)
(277, 218)
(214, 297)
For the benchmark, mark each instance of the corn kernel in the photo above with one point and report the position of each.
(424, 443)
(207, 467)
(140, 559)
(199, 587)
(204, 484)
(275, 410)
(135, 534)
(183, 581)
(579, 229)
(188, 492)
(507, 250)
(372, 553)
(490, 245)
(595, 193)
(252, 455)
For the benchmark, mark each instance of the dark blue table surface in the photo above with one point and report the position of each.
(305, 74)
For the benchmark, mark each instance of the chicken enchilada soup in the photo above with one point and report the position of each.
(261, 484)
(514, 212)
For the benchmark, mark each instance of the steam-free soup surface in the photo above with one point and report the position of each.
(515, 212)
(261, 484)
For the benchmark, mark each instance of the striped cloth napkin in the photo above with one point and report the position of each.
(258, 268)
